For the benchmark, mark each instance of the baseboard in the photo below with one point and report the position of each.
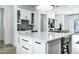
(9, 45)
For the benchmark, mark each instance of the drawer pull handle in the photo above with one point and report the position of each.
(18, 40)
(37, 42)
(25, 48)
(25, 40)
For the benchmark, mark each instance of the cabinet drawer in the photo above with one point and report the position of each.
(38, 47)
(26, 49)
(25, 41)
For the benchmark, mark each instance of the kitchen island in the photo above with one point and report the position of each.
(43, 43)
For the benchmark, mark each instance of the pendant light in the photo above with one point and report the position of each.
(45, 7)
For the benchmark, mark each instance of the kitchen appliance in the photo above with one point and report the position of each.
(76, 26)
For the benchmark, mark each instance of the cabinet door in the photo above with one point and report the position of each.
(54, 47)
(23, 14)
(26, 49)
(26, 45)
(38, 47)
(18, 48)
(75, 46)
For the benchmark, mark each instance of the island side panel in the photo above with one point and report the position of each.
(54, 47)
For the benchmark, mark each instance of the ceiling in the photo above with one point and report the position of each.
(58, 8)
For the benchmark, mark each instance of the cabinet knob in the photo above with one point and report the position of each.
(18, 40)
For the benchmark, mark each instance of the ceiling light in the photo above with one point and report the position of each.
(45, 7)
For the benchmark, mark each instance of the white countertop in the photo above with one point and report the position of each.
(45, 36)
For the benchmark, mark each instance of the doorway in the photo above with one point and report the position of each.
(1, 27)
(44, 23)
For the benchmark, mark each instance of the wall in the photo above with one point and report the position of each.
(7, 23)
(27, 7)
(37, 21)
(67, 20)
(69, 14)
(14, 25)
(1, 25)
(70, 20)
(67, 9)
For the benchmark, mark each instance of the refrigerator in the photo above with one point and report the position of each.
(76, 26)
(75, 38)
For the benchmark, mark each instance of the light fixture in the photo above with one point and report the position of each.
(45, 7)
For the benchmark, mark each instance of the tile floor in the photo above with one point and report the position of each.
(8, 50)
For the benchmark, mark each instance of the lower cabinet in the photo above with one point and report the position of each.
(54, 47)
(28, 45)
(75, 45)
(26, 49)
(18, 48)
(39, 47)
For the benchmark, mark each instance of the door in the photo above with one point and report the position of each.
(44, 22)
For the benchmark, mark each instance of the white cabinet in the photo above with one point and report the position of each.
(18, 48)
(23, 14)
(75, 46)
(26, 49)
(39, 47)
(26, 45)
(54, 47)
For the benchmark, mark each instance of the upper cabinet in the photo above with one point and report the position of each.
(25, 15)
(25, 19)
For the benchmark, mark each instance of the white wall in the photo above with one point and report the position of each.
(68, 15)
(14, 25)
(27, 7)
(1, 25)
(70, 20)
(7, 23)
(37, 21)
(67, 9)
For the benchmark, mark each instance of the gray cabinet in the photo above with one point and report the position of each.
(54, 47)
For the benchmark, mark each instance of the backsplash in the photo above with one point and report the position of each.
(24, 26)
